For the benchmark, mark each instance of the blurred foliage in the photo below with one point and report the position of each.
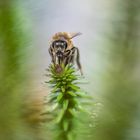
(13, 73)
(113, 118)
(120, 91)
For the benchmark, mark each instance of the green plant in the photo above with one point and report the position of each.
(120, 85)
(64, 99)
(14, 43)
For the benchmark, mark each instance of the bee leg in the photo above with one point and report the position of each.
(66, 57)
(78, 60)
(72, 55)
(60, 60)
(52, 55)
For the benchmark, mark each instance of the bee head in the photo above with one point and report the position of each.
(66, 38)
(59, 46)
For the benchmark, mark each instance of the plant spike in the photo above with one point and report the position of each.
(63, 78)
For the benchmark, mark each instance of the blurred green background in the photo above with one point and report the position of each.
(110, 55)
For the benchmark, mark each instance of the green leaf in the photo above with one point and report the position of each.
(64, 83)
(70, 71)
(83, 94)
(64, 78)
(58, 85)
(54, 76)
(72, 112)
(63, 66)
(52, 70)
(60, 116)
(74, 87)
(66, 68)
(71, 93)
(54, 107)
(65, 104)
(52, 81)
(63, 89)
(69, 80)
(55, 89)
(70, 136)
(65, 125)
(72, 77)
(80, 108)
(59, 97)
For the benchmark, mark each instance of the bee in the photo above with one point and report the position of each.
(63, 51)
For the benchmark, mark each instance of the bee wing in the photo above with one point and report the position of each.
(72, 35)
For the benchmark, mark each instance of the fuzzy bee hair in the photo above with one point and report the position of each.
(66, 37)
(68, 54)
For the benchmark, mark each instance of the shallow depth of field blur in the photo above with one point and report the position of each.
(110, 56)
